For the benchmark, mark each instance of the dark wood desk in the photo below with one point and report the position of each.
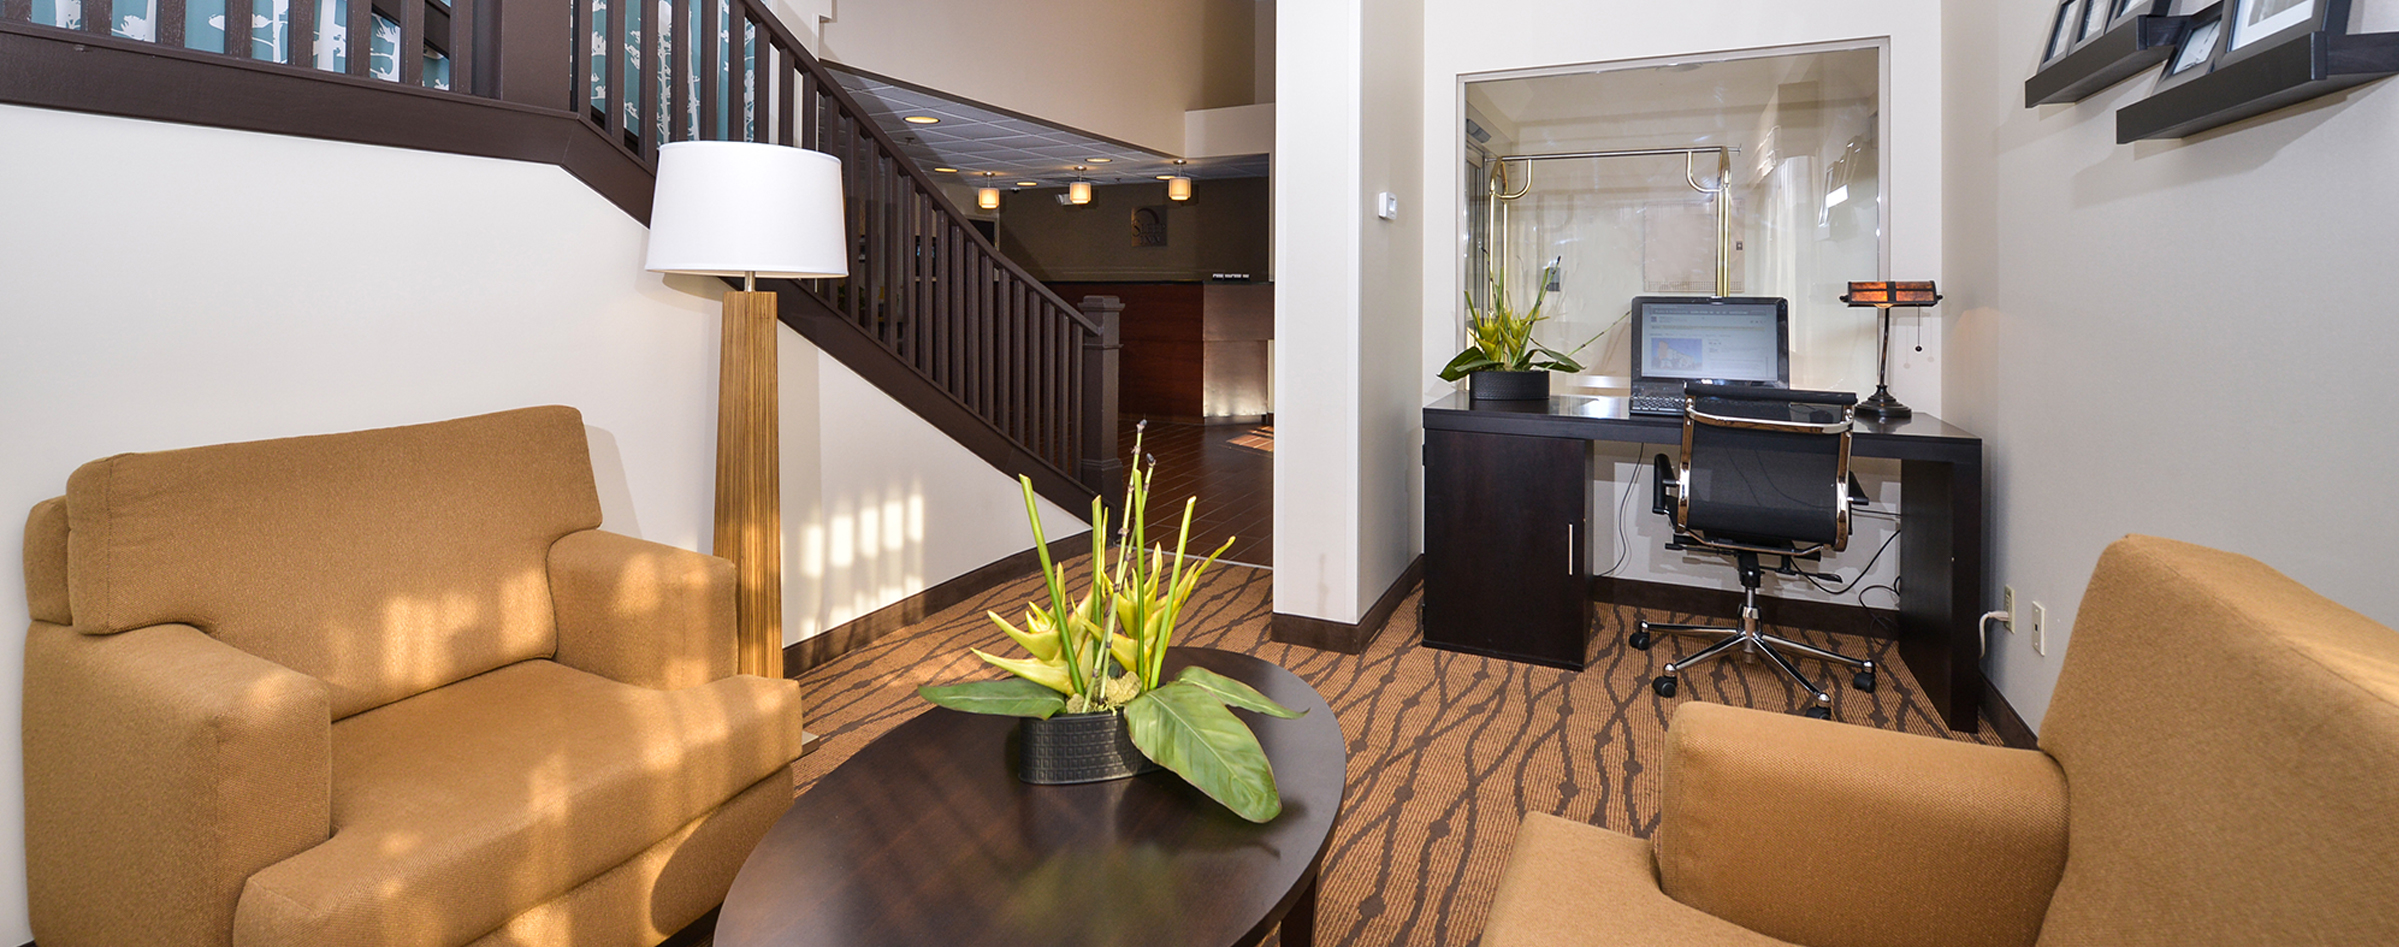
(927, 838)
(1941, 508)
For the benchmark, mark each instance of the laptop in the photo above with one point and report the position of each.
(1725, 340)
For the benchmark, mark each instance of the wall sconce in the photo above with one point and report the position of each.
(1885, 294)
(1179, 186)
(1079, 191)
(987, 196)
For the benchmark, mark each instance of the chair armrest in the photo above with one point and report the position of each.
(162, 769)
(642, 612)
(1817, 832)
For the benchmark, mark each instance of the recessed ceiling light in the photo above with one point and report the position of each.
(946, 170)
(1163, 177)
(1029, 184)
(921, 120)
(1099, 160)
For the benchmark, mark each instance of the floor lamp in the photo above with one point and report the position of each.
(749, 209)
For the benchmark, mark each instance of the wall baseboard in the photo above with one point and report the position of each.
(1727, 604)
(821, 648)
(1343, 637)
(2006, 724)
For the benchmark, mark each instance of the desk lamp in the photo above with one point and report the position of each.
(1885, 294)
(749, 209)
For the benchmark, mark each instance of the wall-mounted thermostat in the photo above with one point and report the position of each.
(1387, 205)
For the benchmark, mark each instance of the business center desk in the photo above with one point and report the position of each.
(1507, 521)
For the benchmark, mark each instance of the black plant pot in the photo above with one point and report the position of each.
(1508, 386)
(1078, 748)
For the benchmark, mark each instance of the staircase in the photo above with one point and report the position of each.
(932, 313)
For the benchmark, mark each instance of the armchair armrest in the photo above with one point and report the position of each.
(162, 769)
(1816, 832)
(642, 612)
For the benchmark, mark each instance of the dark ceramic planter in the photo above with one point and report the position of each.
(1078, 748)
(1508, 386)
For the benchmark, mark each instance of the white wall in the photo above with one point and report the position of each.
(2192, 339)
(1126, 71)
(1317, 305)
(166, 286)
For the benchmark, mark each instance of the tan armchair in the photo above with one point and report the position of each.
(383, 688)
(2220, 766)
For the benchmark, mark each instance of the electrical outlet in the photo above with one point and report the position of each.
(2008, 603)
(2041, 623)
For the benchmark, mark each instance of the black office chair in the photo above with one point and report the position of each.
(1765, 472)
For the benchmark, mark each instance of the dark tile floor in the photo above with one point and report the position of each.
(1230, 468)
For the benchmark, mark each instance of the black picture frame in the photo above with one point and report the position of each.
(2063, 24)
(2242, 42)
(2128, 10)
(2092, 21)
(2197, 54)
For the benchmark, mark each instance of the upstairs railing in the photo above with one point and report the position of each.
(927, 290)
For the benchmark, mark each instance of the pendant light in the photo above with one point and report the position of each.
(1080, 190)
(1179, 185)
(987, 196)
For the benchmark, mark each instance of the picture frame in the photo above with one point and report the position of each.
(2127, 10)
(2196, 55)
(2063, 25)
(2255, 25)
(2094, 19)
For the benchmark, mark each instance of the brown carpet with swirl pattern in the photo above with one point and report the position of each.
(1447, 751)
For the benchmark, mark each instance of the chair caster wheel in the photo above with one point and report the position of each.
(1863, 680)
(1640, 640)
(1665, 685)
(1818, 713)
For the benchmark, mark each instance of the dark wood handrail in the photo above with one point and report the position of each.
(1008, 364)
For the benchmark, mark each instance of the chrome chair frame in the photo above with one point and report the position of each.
(1747, 635)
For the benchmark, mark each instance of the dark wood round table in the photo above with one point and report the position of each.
(926, 837)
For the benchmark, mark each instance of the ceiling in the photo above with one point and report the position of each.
(973, 138)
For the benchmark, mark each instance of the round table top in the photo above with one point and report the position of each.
(926, 837)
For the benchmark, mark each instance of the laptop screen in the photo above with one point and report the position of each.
(1740, 339)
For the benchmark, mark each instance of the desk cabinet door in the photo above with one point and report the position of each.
(1505, 531)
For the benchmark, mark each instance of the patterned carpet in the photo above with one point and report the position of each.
(1447, 751)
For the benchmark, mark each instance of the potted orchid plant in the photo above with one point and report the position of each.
(1092, 687)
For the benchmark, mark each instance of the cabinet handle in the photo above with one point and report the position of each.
(1570, 549)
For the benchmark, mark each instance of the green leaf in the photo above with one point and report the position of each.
(1016, 697)
(1186, 729)
(1471, 360)
(1234, 693)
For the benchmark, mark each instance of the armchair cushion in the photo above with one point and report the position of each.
(385, 562)
(1569, 883)
(457, 808)
(1834, 835)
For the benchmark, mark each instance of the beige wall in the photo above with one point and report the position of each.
(1222, 229)
(2192, 339)
(1126, 71)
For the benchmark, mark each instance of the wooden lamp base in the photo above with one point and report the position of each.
(749, 516)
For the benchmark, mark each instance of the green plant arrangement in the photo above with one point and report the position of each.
(1500, 339)
(1106, 653)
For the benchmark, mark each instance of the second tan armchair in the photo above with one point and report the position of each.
(2220, 766)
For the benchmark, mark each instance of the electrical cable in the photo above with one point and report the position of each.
(1862, 573)
(1636, 484)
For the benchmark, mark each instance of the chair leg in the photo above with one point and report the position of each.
(1706, 653)
(1817, 652)
(1824, 701)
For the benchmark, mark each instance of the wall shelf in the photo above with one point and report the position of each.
(2138, 44)
(2302, 68)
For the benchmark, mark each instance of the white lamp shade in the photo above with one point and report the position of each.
(729, 208)
(987, 198)
(1079, 192)
(1179, 188)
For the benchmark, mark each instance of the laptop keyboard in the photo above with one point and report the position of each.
(1655, 404)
